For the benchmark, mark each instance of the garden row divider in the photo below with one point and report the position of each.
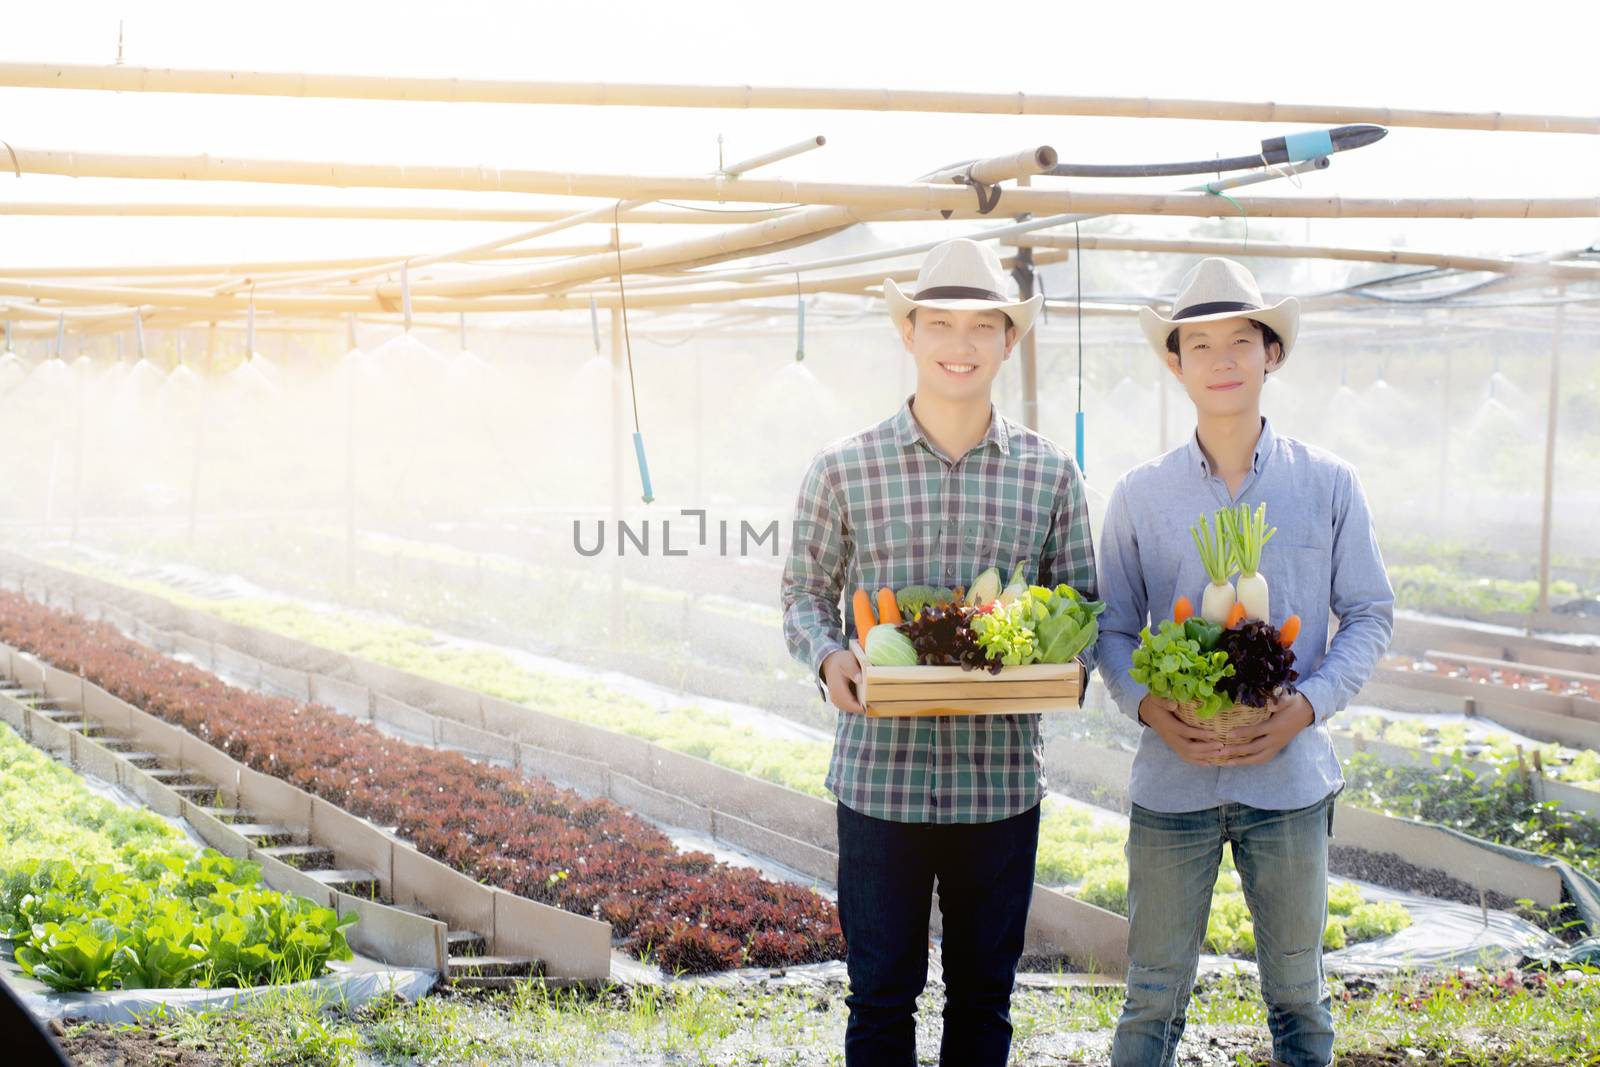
(1416, 636)
(1544, 788)
(740, 810)
(1416, 843)
(569, 945)
(1573, 721)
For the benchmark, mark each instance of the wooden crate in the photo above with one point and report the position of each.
(1026, 690)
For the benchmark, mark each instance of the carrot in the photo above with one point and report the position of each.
(861, 604)
(1235, 617)
(1182, 611)
(888, 607)
(1289, 631)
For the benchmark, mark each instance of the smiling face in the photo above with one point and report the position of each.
(1223, 365)
(958, 353)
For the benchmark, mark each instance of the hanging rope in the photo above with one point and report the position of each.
(633, 388)
(1077, 256)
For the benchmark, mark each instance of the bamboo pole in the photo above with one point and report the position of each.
(1000, 233)
(1444, 260)
(394, 212)
(774, 156)
(578, 218)
(507, 91)
(268, 267)
(927, 198)
(365, 300)
(402, 212)
(1024, 164)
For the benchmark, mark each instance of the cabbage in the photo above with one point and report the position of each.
(888, 647)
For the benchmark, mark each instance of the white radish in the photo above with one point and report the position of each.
(1249, 533)
(1216, 555)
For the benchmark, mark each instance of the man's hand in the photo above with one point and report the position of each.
(1199, 747)
(841, 673)
(1267, 738)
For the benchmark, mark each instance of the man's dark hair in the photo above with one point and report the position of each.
(1269, 337)
(911, 317)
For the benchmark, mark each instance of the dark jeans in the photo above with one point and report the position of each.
(887, 872)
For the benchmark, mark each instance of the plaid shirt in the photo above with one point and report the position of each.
(885, 507)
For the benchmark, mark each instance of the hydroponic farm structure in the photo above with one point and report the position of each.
(429, 591)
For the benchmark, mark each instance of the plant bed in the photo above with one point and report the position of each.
(1576, 766)
(1497, 808)
(687, 911)
(797, 764)
(94, 896)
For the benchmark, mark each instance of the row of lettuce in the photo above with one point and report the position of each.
(95, 895)
(1078, 852)
(686, 910)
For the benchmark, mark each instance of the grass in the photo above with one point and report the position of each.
(1462, 1017)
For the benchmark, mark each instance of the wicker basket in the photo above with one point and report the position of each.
(1226, 724)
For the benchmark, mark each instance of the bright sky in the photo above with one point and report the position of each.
(1531, 56)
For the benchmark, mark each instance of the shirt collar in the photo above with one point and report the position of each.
(1264, 446)
(907, 431)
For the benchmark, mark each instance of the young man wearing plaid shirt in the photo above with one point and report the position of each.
(934, 494)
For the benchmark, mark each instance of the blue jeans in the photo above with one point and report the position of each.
(1282, 859)
(887, 872)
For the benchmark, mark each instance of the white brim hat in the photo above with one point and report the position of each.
(962, 275)
(1218, 288)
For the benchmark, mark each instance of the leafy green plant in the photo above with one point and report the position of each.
(159, 914)
(73, 955)
(1171, 664)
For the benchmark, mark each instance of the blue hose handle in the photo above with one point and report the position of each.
(644, 467)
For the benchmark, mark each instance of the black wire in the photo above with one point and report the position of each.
(622, 296)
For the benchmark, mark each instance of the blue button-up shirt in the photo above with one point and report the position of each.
(1324, 560)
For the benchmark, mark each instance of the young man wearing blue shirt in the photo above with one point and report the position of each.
(1268, 795)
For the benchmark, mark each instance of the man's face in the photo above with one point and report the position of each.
(1224, 364)
(958, 353)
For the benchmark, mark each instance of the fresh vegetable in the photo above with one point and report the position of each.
(1006, 634)
(1262, 665)
(888, 609)
(861, 605)
(985, 587)
(1207, 634)
(914, 598)
(888, 647)
(943, 637)
(1216, 555)
(1071, 623)
(1173, 666)
(1249, 534)
(1182, 611)
(1016, 587)
(1045, 626)
(1235, 616)
(1289, 632)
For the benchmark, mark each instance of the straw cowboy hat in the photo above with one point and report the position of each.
(962, 275)
(1215, 289)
